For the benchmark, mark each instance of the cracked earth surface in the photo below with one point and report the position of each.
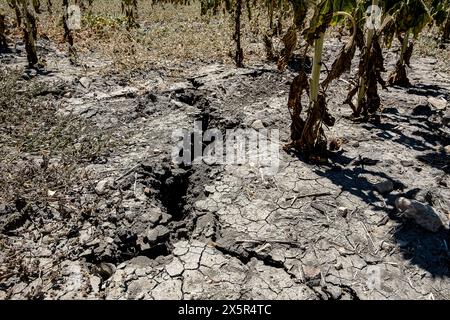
(160, 231)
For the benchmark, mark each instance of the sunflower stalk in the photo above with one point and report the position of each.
(309, 136)
(239, 55)
(362, 81)
(404, 48)
(3, 43)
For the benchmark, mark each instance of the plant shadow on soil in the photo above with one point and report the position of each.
(422, 248)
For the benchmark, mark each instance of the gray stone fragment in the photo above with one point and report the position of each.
(103, 186)
(437, 103)
(258, 125)
(85, 82)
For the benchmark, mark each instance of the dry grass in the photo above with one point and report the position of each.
(41, 151)
(428, 45)
(171, 35)
(168, 34)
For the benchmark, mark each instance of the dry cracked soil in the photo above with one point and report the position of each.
(142, 227)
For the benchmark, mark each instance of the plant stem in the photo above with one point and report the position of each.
(67, 32)
(317, 65)
(446, 33)
(237, 35)
(29, 34)
(3, 43)
(404, 48)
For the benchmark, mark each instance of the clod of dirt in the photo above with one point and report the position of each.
(423, 215)
(407, 163)
(103, 186)
(85, 82)
(312, 275)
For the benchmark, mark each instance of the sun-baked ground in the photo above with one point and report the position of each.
(92, 205)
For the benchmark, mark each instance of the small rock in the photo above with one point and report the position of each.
(258, 125)
(342, 211)
(311, 274)
(85, 82)
(384, 186)
(162, 231)
(437, 103)
(165, 218)
(153, 216)
(338, 266)
(386, 246)
(140, 261)
(130, 92)
(424, 215)
(140, 272)
(210, 189)
(264, 249)
(407, 163)
(103, 186)
(335, 292)
(152, 235)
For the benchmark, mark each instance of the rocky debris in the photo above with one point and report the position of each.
(159, 232)
(424, 215)
(384, 187)
(437, 103)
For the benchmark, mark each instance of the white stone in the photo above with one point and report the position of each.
(437, 103)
